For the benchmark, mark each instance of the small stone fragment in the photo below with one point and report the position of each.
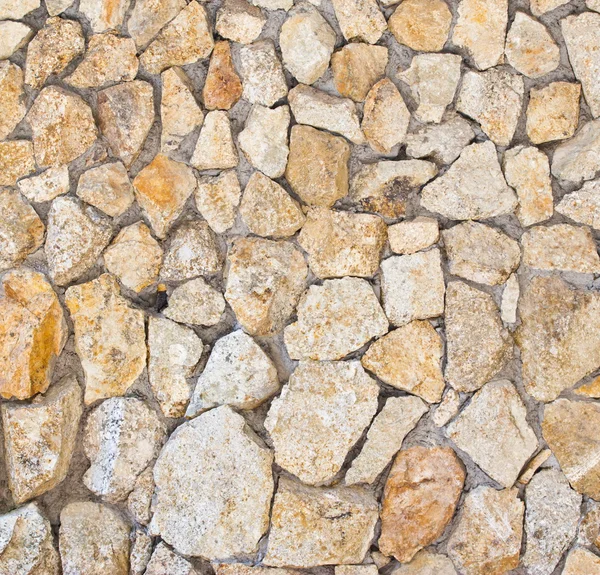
(76, 237)
(550, 520)
(217, 198)
(134, 256)
(241, 569)
(165, 562)
(443, 142)
(369, 569)
(107, 187)
(307, 42)
(394, 422)
(126, 114)
(162, 189)
(582, 562)
(141, 551)
(264, 139)
(317, 168)
(560, 247)
(109, 337)
(433, 79)
(583, 205)
(196, 303)
(93, 539)
(590, 389)
(481, 30)
(217, 458)
(385, 187)
(412, 286)
(447, 409)
(52, 49)
(539, 7)
(215, 149)
(359, 20)
(193, 252)
(493, 430)
(238, 373)
(16, 161)
(264, 283)
(510, 299)
(102, 14)
(185, 40)
(589, 527)
(16, 9)
(426, 563)
(422, 25)
(342, 243)
(335, 319)
(140, 499)
(320, 414)
(473, 188)
(578, 159)
(411, 236)
(48, 185)
(12, 98)
(223, 87)
(420, 496)
(149, 16)
(477, 343)
(593, 5)
(39, 439)
(329, 526)
(527, 170)
(487, 537)
(385, 117)
(13, 36)
(321, 110)
(534, 464)
(494, 100)
(268, 210)
(239, 21)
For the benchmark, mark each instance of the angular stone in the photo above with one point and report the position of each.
(409, 358)
(33, 333)
(264, 139)
(385, 187)
(321, 110)
(481, 30)
(392, 424)
(534, 464)
(493, 430)
(109, 337)
(62, 125)
(359, 20)
(48, 185)
(185, 40)
(583, 205)
(487, 537)
(582, 37)
(433, 79)
(510, 299)
(342, 243)
(53, 48)
(357, 67)
(134, 256)
(193, 251)
(180, 114)
(473, 188)
(317, 168)
(480, 253)
(39, 439)
(422, 25)
(334, 319)
(264, 283)
(303, 514)
(165, 562)
(12, 98)
(103, 14)
(385, 117)
(223, 87)
(268, 210)
(411, 236)
(590, 389)
(93, 539)
(539, 7)
(582, 562)
(578, 159)
(107, 187)
(589, 528)
(125, 116)
(560, 247)
(231, 478)
(550, 520)
(307, 42)
(419, 499)
(162, 189)
(356, 569)
(16, 9)
(493, 99)
(239, 21)
(320, 414)
(217, 198)
(215, 149)
(141, 551)
(55, 7)
(593, 5)
(477, 343)
(426, 563)
(241, 569)
(27, 543)
(13, 36)
(412, 287)
(16, 161)
(553, 112)
(443, 143)
(447, 409)
(149, 16)
(140, 499)
(195, 302)
(527, 170)
(262, 74)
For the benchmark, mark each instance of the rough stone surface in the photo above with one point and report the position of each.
(239, 21)
(217, 198)
(13, 36)
(578, 159)
(16, 9)
(422, 25)
(46, 186)
(12, 98)
(510, 300)
(223, 87)
(447, 408)
(140, 499)
(427, 563)
(149, 16)
(359, 20)
(539, 7)
(583, 205)
(580, 561)
(195, 302)
(165, 562)
(215, 149)
(104, 14)
(411, 236)
(107, 187)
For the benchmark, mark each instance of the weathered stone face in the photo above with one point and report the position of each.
(107, 187)
(422, 25)
(12, 96)
(16, 161)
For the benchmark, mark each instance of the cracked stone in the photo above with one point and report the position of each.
(149, 16)
(583, 205)
(107, 187)
(195, 302)
(217, 199)
(411, 236)
(534, 464)
(45, 187)
(359, 20)
(422, 25)
(223, 87)
(12, 98)
(13, 36)
(357, 67)
(262, 74)
(103, 14)
(239, 21)
(215, 149)
(578, 159)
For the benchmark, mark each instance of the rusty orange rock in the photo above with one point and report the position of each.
(223, 87)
